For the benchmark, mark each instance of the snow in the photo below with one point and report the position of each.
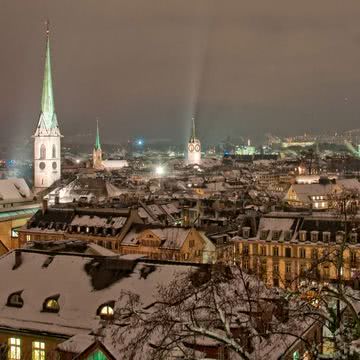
(14, 190)
(116, 222)
(275, 224)
(78, 300)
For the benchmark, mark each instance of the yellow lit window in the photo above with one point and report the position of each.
(38, 350)
(107, 311)
(14, 349)
(51, 305)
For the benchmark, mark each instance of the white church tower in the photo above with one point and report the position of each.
(194, 147)
(47, 137)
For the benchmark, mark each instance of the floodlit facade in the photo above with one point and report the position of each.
(194, 147)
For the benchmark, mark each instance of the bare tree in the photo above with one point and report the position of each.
(219, 306)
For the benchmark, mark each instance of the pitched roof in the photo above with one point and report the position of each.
(83, 283)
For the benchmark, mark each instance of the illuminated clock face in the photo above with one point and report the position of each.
(197, 147)
(42, 165)
(191, 147)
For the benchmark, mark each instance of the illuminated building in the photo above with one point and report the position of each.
(47, 137)
(194, 147)
(99, 163)
(289, 249)
(97, 152)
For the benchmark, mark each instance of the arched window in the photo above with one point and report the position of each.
(51, 304)
(54, 151)
(42, 151)
(15, 300)
(106, 311)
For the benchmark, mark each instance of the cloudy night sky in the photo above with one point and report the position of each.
(144, 66)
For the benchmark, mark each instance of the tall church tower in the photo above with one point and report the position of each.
(194, 147)
(47, 137)
(97, 152)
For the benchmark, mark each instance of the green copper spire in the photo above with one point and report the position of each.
(97, 140)
(47, 98)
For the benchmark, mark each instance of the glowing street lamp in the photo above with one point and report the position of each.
(159, 170)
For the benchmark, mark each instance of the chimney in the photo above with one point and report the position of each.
(18, 259)
(44, 205)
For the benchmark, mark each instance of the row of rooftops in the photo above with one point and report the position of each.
(325, 227)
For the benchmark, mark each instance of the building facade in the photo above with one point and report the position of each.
(194, 147)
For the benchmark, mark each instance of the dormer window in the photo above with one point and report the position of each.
(106, 311)
(15, 300)
(51, 304)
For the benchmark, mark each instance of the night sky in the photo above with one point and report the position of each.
(142, 67)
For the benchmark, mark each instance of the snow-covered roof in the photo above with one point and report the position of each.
(14, 190)
(116, 222)
(80, 286)
(275, 224)
(114, 164)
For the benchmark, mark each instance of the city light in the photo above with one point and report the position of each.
(159, 170)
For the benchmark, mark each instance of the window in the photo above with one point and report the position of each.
(275, 251)
(287, 252)
(326, 236)
(246, 249)
(255, 249)
(246, 232)
(314, 236)
(28, 237)
(42, 152)
(263, 234)
(51, 304)
(302, 235)
(314, 254)
(191, 243)
(263, 250)
(288, 268)
(15, 300)
(353, 257)
(54, 151)
(276, 235)
(97, 355)
(38, 350)
(303, 269)
(14, 233)
(14, 352)
(353, 237)
(303, 253)
(106, 311)
(276, 269)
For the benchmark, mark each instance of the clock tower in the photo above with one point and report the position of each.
(194, 147)
(47, 137)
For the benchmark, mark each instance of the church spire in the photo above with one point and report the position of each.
(48, 120)
(193, 135)
(97, 140)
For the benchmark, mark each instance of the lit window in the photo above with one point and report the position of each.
(14, 233)
(14, 352)
(51, 304)
(38, 350)
(106, 311)
(28, 237)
